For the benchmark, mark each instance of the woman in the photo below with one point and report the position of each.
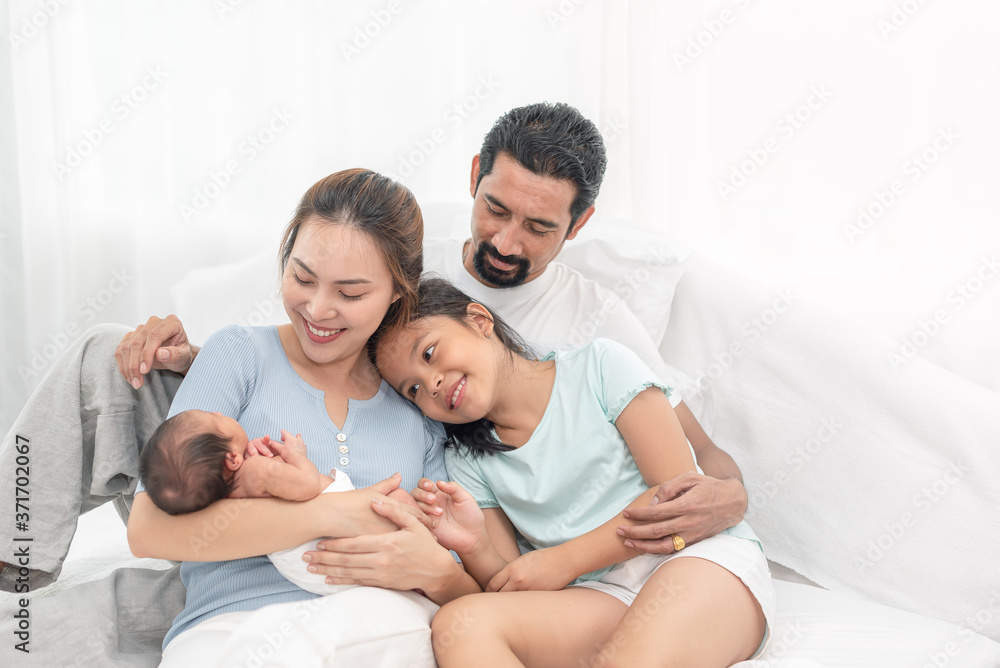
(350, 258)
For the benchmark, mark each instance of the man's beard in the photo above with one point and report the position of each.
(494, 276)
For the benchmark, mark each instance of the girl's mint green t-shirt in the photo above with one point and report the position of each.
(575, 472)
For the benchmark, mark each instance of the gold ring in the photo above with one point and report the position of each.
(678, 542)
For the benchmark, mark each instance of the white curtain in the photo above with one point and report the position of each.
(145, 139)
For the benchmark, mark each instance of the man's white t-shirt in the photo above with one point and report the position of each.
(559, 310)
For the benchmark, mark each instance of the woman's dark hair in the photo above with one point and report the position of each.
(385, 211)
(438, 297)
(181, 474)
(550, 140)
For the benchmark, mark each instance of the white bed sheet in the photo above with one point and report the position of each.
(815, 627)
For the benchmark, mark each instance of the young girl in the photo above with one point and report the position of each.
(555, 449)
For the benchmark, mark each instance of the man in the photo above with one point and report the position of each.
(534, 184)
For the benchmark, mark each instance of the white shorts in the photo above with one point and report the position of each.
(289, 562)
(739, 556)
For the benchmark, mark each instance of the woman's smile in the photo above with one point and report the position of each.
(319, 334)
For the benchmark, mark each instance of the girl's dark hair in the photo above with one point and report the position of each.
(438, 297)
(385, 211)
(181, 474)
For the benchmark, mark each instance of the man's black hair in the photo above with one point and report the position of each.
(550, 140)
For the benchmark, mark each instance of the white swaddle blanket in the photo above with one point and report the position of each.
(289, 562)
(864, 474)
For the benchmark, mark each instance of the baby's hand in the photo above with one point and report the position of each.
(292, 445)
(260, 446)
(458, 523)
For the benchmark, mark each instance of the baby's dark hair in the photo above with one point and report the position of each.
(181, 474)
(438, 297)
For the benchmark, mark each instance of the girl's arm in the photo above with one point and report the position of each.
(482, 538)
(656, 441)
(491, 556)
(234, 528)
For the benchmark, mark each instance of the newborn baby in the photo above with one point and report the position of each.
(196, 458)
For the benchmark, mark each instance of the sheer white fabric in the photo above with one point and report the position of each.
(144, 140)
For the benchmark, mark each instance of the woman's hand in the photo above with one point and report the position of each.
(408, 558)
(538, 570)
(456, 519)
(159, 344)
(352, 513)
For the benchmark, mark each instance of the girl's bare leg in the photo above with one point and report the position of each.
(690, 613)
(525, 628)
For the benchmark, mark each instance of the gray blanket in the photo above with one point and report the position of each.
(75, 446)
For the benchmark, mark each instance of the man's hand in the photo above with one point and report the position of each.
(456, 520)
(538, 570)
(692, 505)
(159, 344)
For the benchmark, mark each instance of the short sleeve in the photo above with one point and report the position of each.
(434, 438)
(466, 471)
(222, 376)
(620, 375)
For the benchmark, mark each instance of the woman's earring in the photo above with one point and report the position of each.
(487, 336)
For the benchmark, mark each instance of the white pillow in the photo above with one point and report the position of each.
(240, 293)
(641, 269)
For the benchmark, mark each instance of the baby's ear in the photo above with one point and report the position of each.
(233, 461)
